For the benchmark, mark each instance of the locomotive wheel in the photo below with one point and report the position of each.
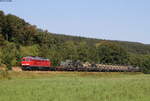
(23, 68)
(29, 68)
(26, 68)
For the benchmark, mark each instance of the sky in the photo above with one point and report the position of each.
(126, 20)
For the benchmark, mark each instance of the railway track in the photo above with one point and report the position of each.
(80, 69)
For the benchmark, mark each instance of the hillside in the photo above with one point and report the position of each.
(12, 22)
(133, 47)
(18, 38)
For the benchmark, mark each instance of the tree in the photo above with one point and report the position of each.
(29, 50)
(109, 52)
(69, 50)
(2, 22)
(28, 34)
(13, 27)
(135, 60)
(145, 64)
(9, 55)
(92, 54)
(83, 51)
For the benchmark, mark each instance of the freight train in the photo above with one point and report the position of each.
(43, 64)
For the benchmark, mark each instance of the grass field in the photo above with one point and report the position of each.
(56, 86)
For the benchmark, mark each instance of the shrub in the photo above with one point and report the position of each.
(4, 74)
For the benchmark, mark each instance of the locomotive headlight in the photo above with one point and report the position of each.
(25, 64)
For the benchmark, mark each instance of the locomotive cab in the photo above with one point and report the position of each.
(25, 61)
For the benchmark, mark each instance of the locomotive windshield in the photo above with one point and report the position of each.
(27, 59)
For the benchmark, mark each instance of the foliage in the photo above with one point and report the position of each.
(4, 74)
(109, 52)
(29, 50)
(8, 56)
(146, 65)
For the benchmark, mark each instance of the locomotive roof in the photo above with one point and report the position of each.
(36, 58)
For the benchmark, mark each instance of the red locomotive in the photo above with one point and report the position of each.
(35, 63)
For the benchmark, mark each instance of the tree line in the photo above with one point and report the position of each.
(19, 38)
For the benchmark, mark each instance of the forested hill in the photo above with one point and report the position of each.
(18, 38)
(133, 47)
(13, 29)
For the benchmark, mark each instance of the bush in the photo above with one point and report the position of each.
(4, 74)
(146, 65)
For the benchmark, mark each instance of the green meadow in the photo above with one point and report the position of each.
(74, 86)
